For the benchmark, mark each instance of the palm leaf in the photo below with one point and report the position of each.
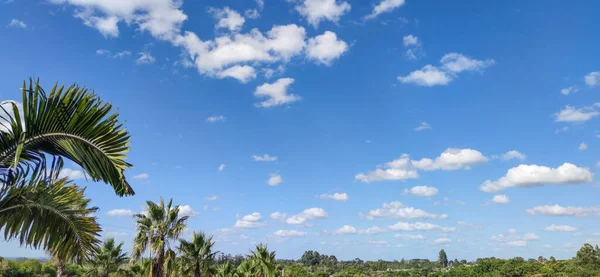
(70, 122)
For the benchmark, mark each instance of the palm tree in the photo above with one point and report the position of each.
(247, 268)
(198, 253)
(107, 260)
(42, 210)
(265, 261)
(226, 270)
(156, 228)
(139, 269)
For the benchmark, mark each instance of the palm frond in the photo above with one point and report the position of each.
(70, 122)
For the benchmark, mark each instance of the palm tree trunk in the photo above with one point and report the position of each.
(158, 266)
(60, 268)
(197, 270)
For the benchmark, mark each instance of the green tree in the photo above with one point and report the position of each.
(156, 228)
(443, 259)
(198, 253)
(247, 268)
(588, 257)
(107, 260)
(226, 270)
(265, 261)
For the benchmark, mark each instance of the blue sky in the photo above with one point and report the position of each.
(381, 129)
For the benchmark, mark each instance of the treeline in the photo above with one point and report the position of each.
(312, 264)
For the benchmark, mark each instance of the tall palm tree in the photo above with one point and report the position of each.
(198, 253)
(42, 210)
(265, 261)
(226, 270)
(107, 260)
(156, 228)
(247, 268)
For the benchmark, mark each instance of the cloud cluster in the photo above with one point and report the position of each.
(275, 93)
(500, 199)
(316, 11)
(451, 65)
(289, 234)
(404, 168)
(303, 217)
(398, 210)
(560, 228)
(17, 24)
(120, 212)
(535, 175)
(251, 221)
(422, 191)
(215, 118)
(336, 196)
(557, 210)
(571, 114)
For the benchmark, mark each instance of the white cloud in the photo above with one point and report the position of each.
(102, 52)
(274, 180)
(336, 196)
(534, 175)
(567, 91)
(373, 230)
(512, 230)
(451, 65)
(243, 236)
(422, 191)
(384, 6)
(557, 210)
(276, 93)
(399, 210)
(242, 73)
(513, 154)
(114, 234)
(316, 11)
(264, 158)
(456, 63)
(251, 221)
(442, 241)
(304, 216)
(428, 76)
(252, 14)
(107, 53)
(17, 23)
(278, 215)
(142, 176)
(215, 118)
(410, 40)
(405, 236)
(221, 167)
(404, 168)
(500, 199)
(530, 236)
(325, 48)
(582, 146)
(120, 212)
(228, 19)
(517, 243)
(571, 114)
(211, 198)
(419, 226)
(592, 79)
(145, 58)
(186, 210)
(345, 230)
(289, 234)
(121, 54)
(560, 228)
(71, 174)
(423, 126)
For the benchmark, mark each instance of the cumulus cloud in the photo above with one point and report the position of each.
(567, 91)
(571, 114)
(423, 126)
(221, 167)
(211, 198)
(215, 118)
(530, 236)
(404, 168)
(186, 210)
(242, 73)
(560, 228)
(399, 210)
(557, 210)
(534, 175)
(345, 230)
(451, 65)
(419, 226)
(264, 158)
(276, 93)
(278, 215)
(316, 11)
(289, 234)
(411, 237)
(274, 180)
(120, 212)
(336, 196)
(500, 199)
(410, 40)
(227, 19)
(385, 6)
(7, 113)
(108, 53)
(251, 221)
(325, 48)
(143, 176)
(513, 154)
(592, 79)
(422, 191)
(71, 174)
(517, 243)
(145, 58)
(17, 24)
(442, 241)
(303, 217)
(582, 146)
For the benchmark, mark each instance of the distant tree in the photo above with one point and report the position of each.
(588, 257)
(198, 254)
(443, 258)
